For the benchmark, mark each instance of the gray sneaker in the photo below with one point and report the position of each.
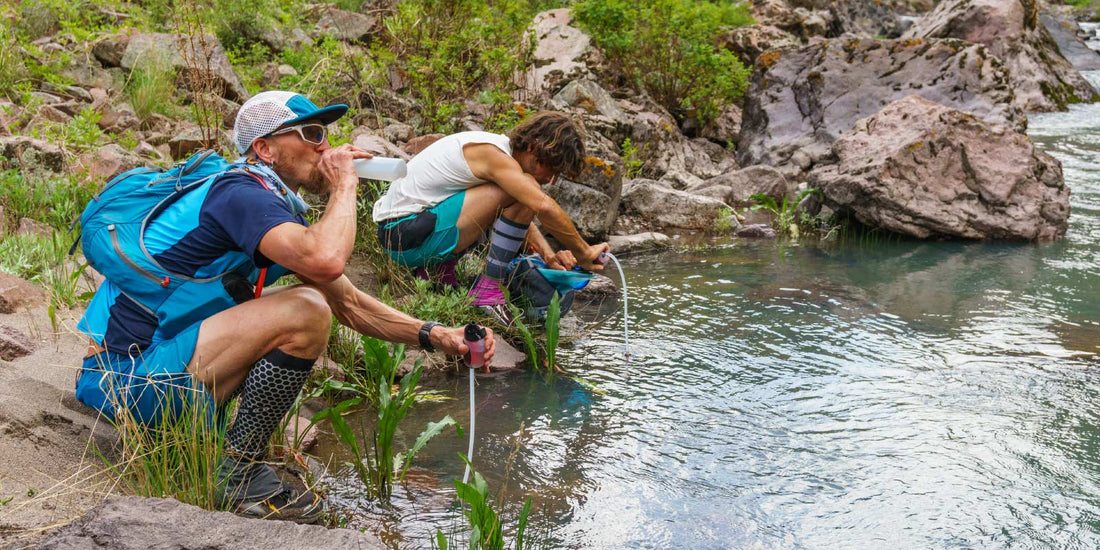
(253, 489)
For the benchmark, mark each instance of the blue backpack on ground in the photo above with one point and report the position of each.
(117, 242)
(531, 286)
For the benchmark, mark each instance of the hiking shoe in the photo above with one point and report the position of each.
(487, 292)
(253, 489)
(443, 273)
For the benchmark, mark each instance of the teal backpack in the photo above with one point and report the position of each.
(118, 244)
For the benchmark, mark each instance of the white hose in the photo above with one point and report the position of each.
(470, 453)
(626, 304)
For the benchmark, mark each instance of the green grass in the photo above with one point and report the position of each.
(45, 260)
(151, 87)
(178, 459)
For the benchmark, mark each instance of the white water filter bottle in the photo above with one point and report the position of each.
(381, 168)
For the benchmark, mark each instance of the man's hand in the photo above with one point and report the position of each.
(337, 168)
(590, 255)
(452, 342)
(563, 260)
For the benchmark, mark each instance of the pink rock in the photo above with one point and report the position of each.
(16, 294)
(14, 344)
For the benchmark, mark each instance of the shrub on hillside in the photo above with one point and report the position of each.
(667, 47)
(450, 50)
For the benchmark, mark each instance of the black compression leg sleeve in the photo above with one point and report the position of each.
(269, 392)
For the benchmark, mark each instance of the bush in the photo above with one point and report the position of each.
(13, 70)
(667, 47)
(449, 50)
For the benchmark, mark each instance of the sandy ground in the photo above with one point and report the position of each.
(49, 474)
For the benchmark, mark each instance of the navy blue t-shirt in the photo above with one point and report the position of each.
(236, 214)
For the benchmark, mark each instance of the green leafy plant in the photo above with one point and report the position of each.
(784, 211)
(724, 221)
(486, 527)
(377, 467)
(668, 48)
(13, 69)
(553, 324)
(632, 165)
(449, 50)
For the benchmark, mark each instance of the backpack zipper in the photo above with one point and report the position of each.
(131, 263)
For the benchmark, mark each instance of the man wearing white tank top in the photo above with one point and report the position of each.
(465, 183)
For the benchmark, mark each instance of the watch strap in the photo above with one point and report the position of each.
(425, 330)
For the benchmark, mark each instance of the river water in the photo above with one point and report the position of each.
(874, 395)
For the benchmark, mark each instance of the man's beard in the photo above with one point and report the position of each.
(315, 183)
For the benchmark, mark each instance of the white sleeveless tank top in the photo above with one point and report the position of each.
(435, 174)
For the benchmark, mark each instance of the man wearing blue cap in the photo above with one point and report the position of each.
(261, 349)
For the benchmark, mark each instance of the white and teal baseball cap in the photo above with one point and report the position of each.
(267, 111)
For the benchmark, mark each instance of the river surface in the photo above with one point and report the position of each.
(874, 395)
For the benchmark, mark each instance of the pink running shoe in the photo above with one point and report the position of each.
(486, 292)
(489, 298)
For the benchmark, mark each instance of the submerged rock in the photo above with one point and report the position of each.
(1042, 80)
(925, 170)
(800, 101)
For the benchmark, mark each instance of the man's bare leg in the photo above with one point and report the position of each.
(481, 207)
(295, 320)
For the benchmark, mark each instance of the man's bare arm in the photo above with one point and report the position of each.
(492, 164)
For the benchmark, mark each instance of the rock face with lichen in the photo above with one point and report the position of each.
(800, 101)
(1041, 78)
(929, 171)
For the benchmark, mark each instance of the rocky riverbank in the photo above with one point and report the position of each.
(906, 116)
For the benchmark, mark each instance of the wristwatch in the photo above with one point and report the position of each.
(425, 329)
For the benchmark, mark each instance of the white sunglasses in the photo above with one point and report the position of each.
(312, 132)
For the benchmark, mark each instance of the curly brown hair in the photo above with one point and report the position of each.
(556, 140)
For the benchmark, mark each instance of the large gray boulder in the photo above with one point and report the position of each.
(747, 43)
(137, 523)
(1041, 78)
(1064, 31)
(348, 26)
(736, 188)
(32, 154)
(592, 201)
(662, 206)
(189, 58)
(867, 18)
(800, 101)
(922, 169)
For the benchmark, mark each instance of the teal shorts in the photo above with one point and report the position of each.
(152, 385)
(436, 246)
